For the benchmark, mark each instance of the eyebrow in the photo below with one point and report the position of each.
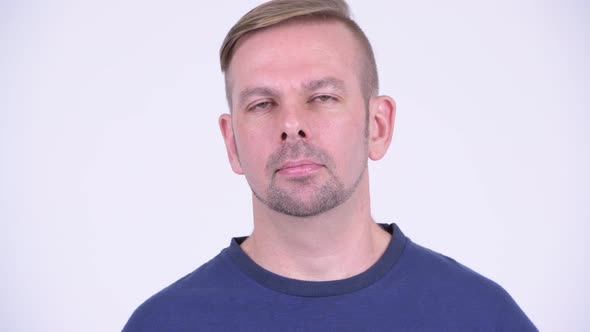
(257, 91)
(326, 82)
(310, 86)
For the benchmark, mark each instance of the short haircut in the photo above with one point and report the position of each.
(275, 12)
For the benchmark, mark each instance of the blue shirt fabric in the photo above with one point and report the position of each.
(410, 288)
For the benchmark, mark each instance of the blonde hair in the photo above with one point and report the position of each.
(275, 12)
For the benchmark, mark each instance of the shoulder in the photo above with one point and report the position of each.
(191, 294)
(463, 294)
(428, 265)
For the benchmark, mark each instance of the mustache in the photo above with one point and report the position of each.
(298, 150)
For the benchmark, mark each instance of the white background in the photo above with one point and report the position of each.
(113, 175)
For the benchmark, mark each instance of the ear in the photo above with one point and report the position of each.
(381, 121)
(227, 130)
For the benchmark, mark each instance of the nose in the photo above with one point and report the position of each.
(293, 126)
(300, 133)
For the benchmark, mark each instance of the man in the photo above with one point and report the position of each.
(304, 119)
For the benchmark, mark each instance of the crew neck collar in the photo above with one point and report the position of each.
(321, 288)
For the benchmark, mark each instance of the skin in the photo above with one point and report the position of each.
(300, 133)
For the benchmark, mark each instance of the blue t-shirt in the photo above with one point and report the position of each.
(410, 288)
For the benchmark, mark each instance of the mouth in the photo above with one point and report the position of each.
(298, 168)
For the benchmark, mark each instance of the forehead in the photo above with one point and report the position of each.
(294, 52)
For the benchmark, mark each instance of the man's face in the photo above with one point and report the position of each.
(299, 119)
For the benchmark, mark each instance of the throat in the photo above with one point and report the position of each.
(312, 256)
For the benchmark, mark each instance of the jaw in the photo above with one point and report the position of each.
(307, 197)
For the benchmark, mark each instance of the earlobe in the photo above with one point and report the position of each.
(227, 131)
(381, 122)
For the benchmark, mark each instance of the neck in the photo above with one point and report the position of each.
(336, 244)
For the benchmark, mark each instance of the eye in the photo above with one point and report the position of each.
(324, 99)
(261, 106)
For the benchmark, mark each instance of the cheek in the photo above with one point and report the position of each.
(347, 124)
(344, 139)
(253, 148)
